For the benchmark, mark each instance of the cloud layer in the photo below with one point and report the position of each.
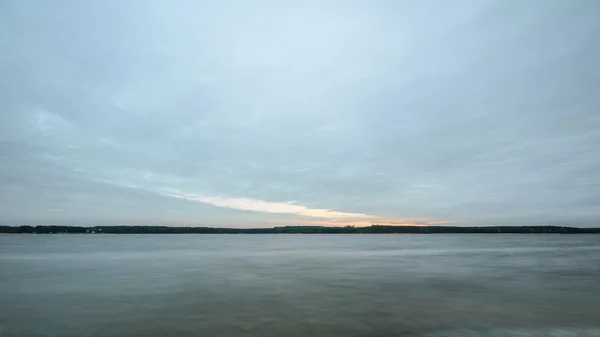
(316, 112)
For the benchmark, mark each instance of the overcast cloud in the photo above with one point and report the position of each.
(261, 113)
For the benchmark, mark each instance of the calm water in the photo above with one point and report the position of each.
(299, 285)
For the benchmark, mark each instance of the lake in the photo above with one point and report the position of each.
(300, 285)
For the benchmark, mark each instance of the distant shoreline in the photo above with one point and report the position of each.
(374, 229)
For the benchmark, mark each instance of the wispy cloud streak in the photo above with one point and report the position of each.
(254, 205)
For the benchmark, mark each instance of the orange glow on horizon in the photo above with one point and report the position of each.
(337, 223)
(267, 223)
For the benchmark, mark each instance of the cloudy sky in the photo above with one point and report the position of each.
(262, 113)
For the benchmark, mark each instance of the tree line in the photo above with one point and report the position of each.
(374, 229)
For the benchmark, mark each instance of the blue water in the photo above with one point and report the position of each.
(300, 285)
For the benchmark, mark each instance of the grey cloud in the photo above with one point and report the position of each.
(477, 113)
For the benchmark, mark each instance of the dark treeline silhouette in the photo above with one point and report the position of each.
(374, 229)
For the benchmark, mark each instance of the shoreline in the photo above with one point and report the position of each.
(374, 229)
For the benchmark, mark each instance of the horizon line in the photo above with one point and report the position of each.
(307, 226)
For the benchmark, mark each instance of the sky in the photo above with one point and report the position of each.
(315, 112)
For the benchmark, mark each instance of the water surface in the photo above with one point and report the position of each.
(300, 285)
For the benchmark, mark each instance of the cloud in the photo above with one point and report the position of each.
(45, 121)
(360, 112)
(254, 205)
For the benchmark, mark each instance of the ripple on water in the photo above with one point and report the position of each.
(555, 332)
